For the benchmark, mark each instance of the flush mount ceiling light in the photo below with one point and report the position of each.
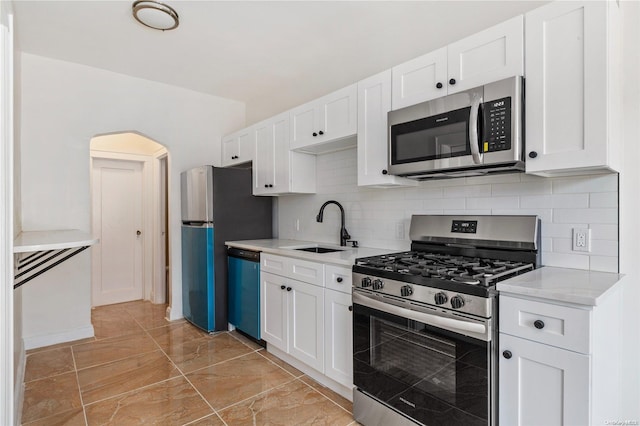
(155, 15)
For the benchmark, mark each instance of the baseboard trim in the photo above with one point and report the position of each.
(18, 388)
(34, 342)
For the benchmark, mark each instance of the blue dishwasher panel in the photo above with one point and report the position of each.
(244, 295)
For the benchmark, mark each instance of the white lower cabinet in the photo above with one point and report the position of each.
(273, 310)
(338, 337)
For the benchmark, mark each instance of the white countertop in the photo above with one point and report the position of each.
(346, 257)
(562, 284)
(51, 240)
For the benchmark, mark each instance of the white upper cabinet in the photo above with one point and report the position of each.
(324, 124)
(276, 170)
(490, 55)
(374, 102)
(238, 147)
(573, 88)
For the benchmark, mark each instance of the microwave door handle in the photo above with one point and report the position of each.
(473, 130)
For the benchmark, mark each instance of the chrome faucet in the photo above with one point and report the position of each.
(344, 235)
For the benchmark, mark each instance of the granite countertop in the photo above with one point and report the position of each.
(345, 257)
(562, 284)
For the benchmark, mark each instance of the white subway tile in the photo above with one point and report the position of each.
(499, 178)
(422, 193)
(493, 203)
(606, 216)
(467, 191)
(557, 201)
(604, 232)
(604, 248)
(445, 203)
(604, 264)
(565, 260)
(538, 187)
(564, 245)
(545, 215)
(478, 212)
(591, 183)
(603, 199)
(560, 230)
(547, 244)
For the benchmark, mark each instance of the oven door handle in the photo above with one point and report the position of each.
(468, 328)
(473, 130)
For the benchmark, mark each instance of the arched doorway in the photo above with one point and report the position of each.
(129, 204)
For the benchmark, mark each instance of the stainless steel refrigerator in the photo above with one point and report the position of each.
(217, 206)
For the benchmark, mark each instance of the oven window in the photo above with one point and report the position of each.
(431, 138)
(432, 375)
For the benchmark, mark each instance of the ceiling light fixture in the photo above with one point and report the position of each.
(155, 15)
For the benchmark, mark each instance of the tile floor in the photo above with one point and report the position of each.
(141, 369)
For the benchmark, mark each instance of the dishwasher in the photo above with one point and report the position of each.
(244, 291)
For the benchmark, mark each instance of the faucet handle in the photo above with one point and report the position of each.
(354, 243)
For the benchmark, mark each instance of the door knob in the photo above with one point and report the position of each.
(138, 232)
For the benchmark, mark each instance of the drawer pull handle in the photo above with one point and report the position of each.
(538, 324)
(339, 279)
(507, 354)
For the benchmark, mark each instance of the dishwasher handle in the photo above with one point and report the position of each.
(253, 256)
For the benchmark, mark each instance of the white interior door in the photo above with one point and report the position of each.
(117, 221)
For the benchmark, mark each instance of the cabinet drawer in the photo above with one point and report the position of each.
(338, 278)
(560, 326)
(303, 270)
(274, 264)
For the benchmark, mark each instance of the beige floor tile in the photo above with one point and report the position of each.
(50, 396)
(112, 349)
(48, 363)
(175, 334)
(289, 368)
(212, 420)
(173, 402)
(73, 417)
(125, 375)
(112, 321)
(60, 345)
(294, 403)
(147, 314)
(207, 351)
(338, 399)
(232, 381)
(253, 345)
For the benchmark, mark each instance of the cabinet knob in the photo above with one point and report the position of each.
(384, 172)
(439, 85)
(507, 354)
(350, 308)
(282, 287)
(339, 279)
(452, 81)
(539, 324)
(266, 186)
(315, 134)
(288, 288)
(138, 233)
(533, 154)
(270, 185)
(321, 132)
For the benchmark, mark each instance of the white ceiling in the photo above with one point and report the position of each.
(270, 55)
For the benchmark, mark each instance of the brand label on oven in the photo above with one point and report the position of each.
(464, 226)
(409, 403)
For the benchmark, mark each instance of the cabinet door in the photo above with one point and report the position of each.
(566, 111)
(374, 102)
(303, 125)
(420, 79)
(263, 170)
(338, 114)
(246, 146)
(542, 385)
(490, 55)
(273, 327)
(338, 337)
(230, 149)
(306, 323)
(280, 157)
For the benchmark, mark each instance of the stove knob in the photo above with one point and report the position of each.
(457, 302)
(378, 284)
(440, 298)
(406, 290)
(366, 282)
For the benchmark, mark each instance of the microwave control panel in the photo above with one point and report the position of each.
(497, 125)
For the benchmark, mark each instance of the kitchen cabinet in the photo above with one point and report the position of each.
(490, 55)
(573, 88)
(558, 361)
(324, 124)
(338, 327)
(374, 102)
(276, 170)
(238, 147)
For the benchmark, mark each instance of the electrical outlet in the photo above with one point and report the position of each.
(400, 230)
(581, 239)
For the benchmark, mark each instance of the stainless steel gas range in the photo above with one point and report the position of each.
(425, 321)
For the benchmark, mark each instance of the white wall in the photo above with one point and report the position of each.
(63, 106)
(375, 216)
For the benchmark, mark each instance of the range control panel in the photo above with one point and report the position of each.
(497, 125)
(464, 226)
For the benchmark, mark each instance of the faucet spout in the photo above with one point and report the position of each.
(344, 235)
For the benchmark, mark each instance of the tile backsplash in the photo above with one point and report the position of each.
(380, 217)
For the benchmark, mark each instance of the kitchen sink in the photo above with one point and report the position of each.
(319, 249)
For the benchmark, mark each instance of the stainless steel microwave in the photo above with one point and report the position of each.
(469, 133)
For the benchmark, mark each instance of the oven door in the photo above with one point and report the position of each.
(432, 375)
